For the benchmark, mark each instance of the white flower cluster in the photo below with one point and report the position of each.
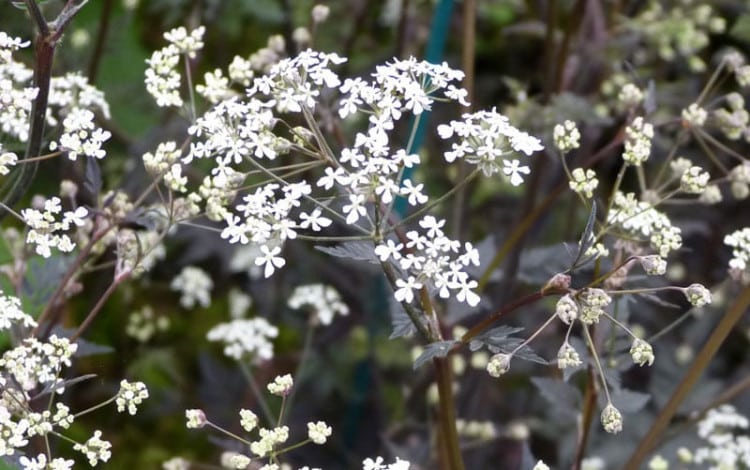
(487, 139)
(584, 182)
(45, 231)
(432, 259)
(73, 91)
(11, 313)
(36, 362)
(245, 338)
(592, 303)
(16, 92)
(725, 449)
(269, 440)
(319, 432)
(379, 464)
(567, 356)
(40, 463)
(7, 160)
(694, 115)
(324, 301)
(143, 324)
(9, 44)
(739, 265)
(566, 136)
(640, 218)
(733, 122)
(281, 385)
(162, 78)
(194, 286)
(638, 137)
(81, 136)
(694, 180)
(611, 419)
(95, 449)
(131, 395)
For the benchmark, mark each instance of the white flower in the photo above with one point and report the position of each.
(513, 169)
(405, 293)
(611, 419)
(270, 259)
(243, 338)
(324, 302)
(195, 418)
(642, 352)
(314, 220)
(389, 250)
(540, 466)
(499, 364)
(697, 295)
(131, 395)
(248, 420)
(95, 449)
(567, 356)
(281, 385)
(566, 136)
(194, 285)
(318, 432)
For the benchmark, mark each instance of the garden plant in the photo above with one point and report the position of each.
(374, 235)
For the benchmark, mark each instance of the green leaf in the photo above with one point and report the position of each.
(439, 349)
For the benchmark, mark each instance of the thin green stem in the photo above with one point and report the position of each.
(191, 92)
(228, 433)
(99, 304)
(255, 388)
(95, 407)
(414, 215)
(592, 348)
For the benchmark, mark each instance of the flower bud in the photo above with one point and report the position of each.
(567, 309)
(654, 265)
(697, 295)
(499, 364)
(559, 281)
(642, 352)
(611, 419)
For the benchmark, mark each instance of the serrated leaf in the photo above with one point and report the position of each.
(629, 401)
(400, 321)
(587, 237)
(528, 354)
(356, 250)
(563, 395)
(493, 336)
(43, 275)
(433, 350)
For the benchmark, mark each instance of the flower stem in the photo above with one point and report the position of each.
(447, 413)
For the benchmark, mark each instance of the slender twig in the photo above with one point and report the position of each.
(99, 304)
(101, 39)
